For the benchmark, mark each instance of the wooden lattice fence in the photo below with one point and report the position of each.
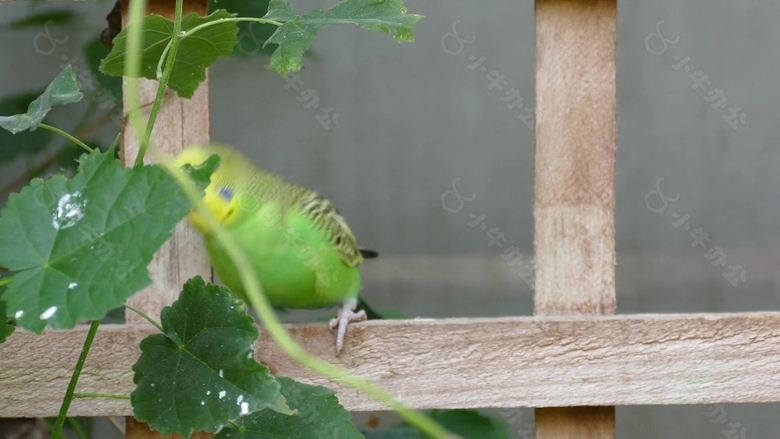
(573, 361)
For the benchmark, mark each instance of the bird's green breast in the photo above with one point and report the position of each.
(294, 261)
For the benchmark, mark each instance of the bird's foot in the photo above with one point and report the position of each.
(345, 316)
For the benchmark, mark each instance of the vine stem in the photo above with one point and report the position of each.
(173, 44)
(74, 379)
(233, 19)
(145, 316)
(5, 281)
(280, 334)
(65, 135)
(135, 16)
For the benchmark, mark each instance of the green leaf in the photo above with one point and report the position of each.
(201, 372)
(5, 328)
(468, 424)
(28, 143)
(196, 52)
(95, 52)
(64, 16)
(63, 90)
(80, 247)
(67, 157)
(203, 171)
(297, 33)
(251, 35)
(319, 416)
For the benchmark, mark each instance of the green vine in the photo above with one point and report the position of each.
(169, 55)
(74, 379)
(65, 135)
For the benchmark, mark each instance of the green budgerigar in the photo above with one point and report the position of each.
(302, 250)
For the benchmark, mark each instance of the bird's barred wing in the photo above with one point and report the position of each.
(325, 217)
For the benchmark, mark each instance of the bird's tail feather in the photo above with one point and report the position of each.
(368, 254)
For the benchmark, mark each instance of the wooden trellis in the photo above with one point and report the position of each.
(573, 361)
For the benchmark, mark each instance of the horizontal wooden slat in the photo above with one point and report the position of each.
(456, 363)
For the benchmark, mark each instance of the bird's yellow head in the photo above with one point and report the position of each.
(220, 195)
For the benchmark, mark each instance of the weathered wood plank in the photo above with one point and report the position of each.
(574, 210)
(574, 207)
(180, 122)
(575, 422)
(456, 363)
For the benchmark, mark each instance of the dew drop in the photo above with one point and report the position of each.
(70, 210)
(48, 313)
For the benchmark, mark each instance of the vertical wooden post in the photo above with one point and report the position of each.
(180, 122)
(574, 211)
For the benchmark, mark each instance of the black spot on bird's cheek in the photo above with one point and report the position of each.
(338, 240)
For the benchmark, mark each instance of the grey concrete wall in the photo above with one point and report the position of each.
(412, 118)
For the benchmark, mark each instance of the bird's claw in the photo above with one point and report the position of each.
(345, 316)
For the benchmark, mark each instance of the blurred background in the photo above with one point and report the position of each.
(417, 122)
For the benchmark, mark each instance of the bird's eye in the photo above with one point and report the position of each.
(226, 193)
